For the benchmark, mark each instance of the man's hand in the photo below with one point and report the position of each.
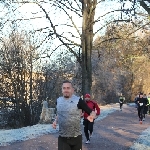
(82, 114)
(92, 116)
(54, 125)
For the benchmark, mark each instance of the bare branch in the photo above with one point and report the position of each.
(138, 29)
(143, 4)
(70, 17)
(58, 2)
(57, 35)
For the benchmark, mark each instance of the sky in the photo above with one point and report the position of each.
(15, 135)
(31, 10)
(59, 17)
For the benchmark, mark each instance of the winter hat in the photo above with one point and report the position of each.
(87, 96)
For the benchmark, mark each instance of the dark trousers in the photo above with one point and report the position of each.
(149, 109)
(72, 143)
(121, 104)
(140, 112)
(88, 126)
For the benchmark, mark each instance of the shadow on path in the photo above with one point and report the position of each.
(117, 131)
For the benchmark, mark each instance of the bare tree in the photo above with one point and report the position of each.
(84, 10)
(145, 5)
(15, 68)
(121, 54)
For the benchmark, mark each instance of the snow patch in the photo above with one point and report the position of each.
(143, 142)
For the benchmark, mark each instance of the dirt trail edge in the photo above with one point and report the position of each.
(117, 131)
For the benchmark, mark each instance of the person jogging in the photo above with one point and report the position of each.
(88, 126)
(121, 101)
(145, 109)
(148, 97)
(68, 117)
(135, 100)
(141, 104)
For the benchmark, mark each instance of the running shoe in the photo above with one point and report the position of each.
(87, 142)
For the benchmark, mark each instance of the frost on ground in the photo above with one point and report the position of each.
(10, 136)
(105, 110)
(143, 142)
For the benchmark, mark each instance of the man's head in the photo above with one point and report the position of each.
(87, 97)
(141, 95)
(67, 89)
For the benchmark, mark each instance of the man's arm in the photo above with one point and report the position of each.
(146, 101)
(119, 100)
(82, 105)
(124, 99)
(97, 109)
(54, 125)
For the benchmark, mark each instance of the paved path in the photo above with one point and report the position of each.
(117, 131)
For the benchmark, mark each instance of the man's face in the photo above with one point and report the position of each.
(67, 90)
(87, 99)
(141, 96)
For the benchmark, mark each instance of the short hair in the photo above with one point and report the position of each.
(67, 81)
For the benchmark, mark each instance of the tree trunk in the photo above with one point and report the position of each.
(88, 10)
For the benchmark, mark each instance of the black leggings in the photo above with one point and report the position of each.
(149, 109)
(88, 126)
(121, 104)
(73, 143)
(140, 112)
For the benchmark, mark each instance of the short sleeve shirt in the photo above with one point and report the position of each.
(69, 116)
